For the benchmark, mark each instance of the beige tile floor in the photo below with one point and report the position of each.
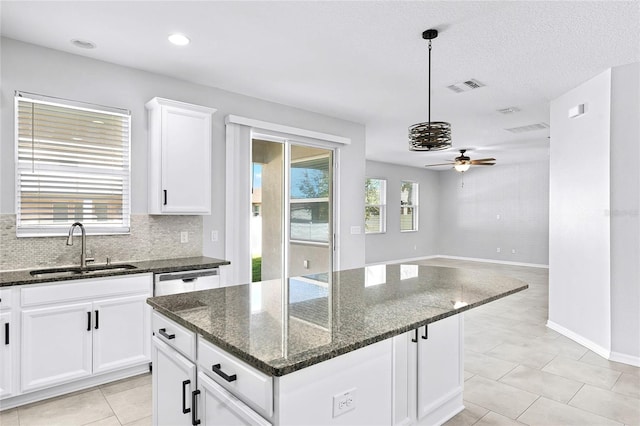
(517, 371)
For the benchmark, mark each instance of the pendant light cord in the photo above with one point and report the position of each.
(429, 112)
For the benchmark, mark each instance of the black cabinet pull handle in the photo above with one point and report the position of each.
(415, 339)
(216, 369)
(97, 319)
(163, 333)
(194, 405)
(185, 410)
(6, 333)
(88, 321)
(165, 196)
(425, 336)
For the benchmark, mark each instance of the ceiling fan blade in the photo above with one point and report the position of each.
(483, 164)
(482, 160)
(441, 164)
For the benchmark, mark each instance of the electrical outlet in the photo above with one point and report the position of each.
(513, 251)
(498, 250)
(214, 236)
(344, 402)
(184, 237)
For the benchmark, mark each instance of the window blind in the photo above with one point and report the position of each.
(72, 165)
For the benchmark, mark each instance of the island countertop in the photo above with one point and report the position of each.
(283, 326)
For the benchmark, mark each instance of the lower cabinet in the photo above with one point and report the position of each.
(82, 329)
(176, 376)
(182, 397)
(429, 373)
(8, 356)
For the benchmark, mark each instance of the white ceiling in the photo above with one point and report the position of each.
(363, 61)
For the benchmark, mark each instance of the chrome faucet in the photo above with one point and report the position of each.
(83, 256)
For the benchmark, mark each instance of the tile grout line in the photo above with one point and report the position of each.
(525, 410)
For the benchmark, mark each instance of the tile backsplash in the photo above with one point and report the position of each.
(151, 237)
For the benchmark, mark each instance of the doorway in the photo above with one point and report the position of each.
(292, 214)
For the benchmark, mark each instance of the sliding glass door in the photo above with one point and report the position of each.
(291, 209)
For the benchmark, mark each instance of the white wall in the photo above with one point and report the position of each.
(594, 247)
(579, 269)
(396, 245)
(45, 71)
(502, 206)
(625, 207)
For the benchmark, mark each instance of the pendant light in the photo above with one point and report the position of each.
(430, 135)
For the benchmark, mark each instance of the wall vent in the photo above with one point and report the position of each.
(528, 128)
(509, 110)
(465, 86)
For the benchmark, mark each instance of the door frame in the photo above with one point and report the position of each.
(239, 133)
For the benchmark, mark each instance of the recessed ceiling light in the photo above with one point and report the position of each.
(179, 39)
(83, 44)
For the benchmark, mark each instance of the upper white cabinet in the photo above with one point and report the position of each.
(179, 157)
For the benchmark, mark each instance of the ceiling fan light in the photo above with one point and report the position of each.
(462, 167)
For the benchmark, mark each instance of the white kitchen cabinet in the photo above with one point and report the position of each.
(429, 373)
(77, 330)
(56, 345)
(8, 343)
(179, 157)
(215, 406)
(176, 376)
(120, 333)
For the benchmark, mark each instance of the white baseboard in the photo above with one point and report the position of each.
(625, 359)
(503, 262)
(470, 259)
(589, 344)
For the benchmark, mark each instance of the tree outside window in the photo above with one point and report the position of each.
(408, 206)
(375, 206)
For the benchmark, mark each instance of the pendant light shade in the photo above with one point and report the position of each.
(430, 135)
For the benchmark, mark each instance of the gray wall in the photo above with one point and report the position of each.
(462, 221)
(595, 220)
(468, 216)
(49, 72)
(396, 245)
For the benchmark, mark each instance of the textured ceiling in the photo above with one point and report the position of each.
(363, 61)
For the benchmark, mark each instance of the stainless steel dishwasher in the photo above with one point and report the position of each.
(185, 281)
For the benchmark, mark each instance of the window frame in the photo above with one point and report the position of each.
(122, 227)
(411, 204)
(319, 200)
(382, 207)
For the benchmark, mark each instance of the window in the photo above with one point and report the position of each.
(375, 220)
(72, 165)
(408, 206)
(309, 200)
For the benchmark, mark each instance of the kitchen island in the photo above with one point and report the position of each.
(375, 345)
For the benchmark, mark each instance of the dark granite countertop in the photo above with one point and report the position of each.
(22, 277)
(283, 326)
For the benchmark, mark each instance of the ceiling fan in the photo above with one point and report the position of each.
(462, 163)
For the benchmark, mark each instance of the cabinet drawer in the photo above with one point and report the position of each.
(178, 337)
(249, 384)
(6, 298)
(90, 288)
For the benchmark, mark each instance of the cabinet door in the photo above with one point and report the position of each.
(174, 380)
(56, 345)
(215, 406)
(440, 370)
(121, 333)
(186, 161)
(7, 360)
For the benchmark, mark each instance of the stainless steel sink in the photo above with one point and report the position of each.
(76, 270)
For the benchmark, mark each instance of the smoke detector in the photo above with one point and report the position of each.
(508, 110)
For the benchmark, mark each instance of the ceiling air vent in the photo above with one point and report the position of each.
(528, 128)
(508, 110)
(465, 86)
